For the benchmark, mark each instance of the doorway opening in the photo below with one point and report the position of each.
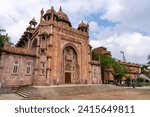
(67, 78)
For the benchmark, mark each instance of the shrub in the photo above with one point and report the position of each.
(140, 80)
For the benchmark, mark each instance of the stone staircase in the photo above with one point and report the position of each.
(60, 92)
(26, 92)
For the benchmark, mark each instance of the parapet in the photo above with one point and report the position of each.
(17, 50)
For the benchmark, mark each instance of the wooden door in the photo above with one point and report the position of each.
(67, 78)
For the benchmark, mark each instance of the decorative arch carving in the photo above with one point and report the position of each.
(70, 64)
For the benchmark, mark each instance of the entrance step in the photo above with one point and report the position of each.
(26, 92)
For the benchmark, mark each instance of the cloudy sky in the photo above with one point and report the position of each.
(119, 25)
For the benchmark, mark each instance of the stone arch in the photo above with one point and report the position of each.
(70, 66)
(71, 45)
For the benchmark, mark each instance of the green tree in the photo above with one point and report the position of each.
(148, 58)
(107, 62)
(145, 67)
(120, 70)
(128, 78)
(4, 38)
(95, 55)
(140, 80)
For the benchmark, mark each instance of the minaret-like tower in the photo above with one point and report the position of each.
(33, 23)
(83, 27)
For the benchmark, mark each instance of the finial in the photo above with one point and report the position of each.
(52, 7)
(60, 9)
(42, 11)
(33, 19)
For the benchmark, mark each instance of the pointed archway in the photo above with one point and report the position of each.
(70, 65)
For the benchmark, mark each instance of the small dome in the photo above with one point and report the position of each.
(49, 11)
(62, 16)
(83, 25)
(33, 21)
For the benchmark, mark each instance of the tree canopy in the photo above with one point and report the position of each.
(119, 70)
(4, 38)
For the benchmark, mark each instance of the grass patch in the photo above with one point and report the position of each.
(146, 84)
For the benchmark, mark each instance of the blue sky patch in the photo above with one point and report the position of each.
(101, 22)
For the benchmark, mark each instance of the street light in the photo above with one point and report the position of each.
(124, 60)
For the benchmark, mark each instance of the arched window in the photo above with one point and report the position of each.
(48, 18)
(15, 67)
(28, 68)
(68, 67)
(43, 68)
(95, 73)
(43, 42)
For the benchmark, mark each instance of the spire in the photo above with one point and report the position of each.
(52, 8)
(42, 11)
(33, 19)
(60, 9)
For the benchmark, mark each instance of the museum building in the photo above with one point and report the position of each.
(50, 53)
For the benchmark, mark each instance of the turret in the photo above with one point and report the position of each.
(83, 27)
(33, 23)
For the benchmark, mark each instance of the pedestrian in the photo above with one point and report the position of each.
(133, 83)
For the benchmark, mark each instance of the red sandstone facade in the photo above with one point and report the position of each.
(50, 53)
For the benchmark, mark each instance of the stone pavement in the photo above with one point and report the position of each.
(10, 97)
(81, 92)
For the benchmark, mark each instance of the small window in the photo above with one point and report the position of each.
(28, 68)
(43, 38)
(42, 68)
(42, 72)
(15, 67)
(95, 73)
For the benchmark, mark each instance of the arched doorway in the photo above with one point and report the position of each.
(70, 65)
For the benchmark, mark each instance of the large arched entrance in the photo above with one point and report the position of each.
(70, 65)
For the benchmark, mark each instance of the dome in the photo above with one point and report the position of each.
(83, 25)
(62, 16)
(49, 11)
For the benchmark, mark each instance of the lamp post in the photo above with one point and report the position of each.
(124, 60)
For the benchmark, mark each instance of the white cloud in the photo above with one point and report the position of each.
(135, 46)
(128, 35)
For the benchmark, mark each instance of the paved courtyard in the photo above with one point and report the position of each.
(84, 92)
